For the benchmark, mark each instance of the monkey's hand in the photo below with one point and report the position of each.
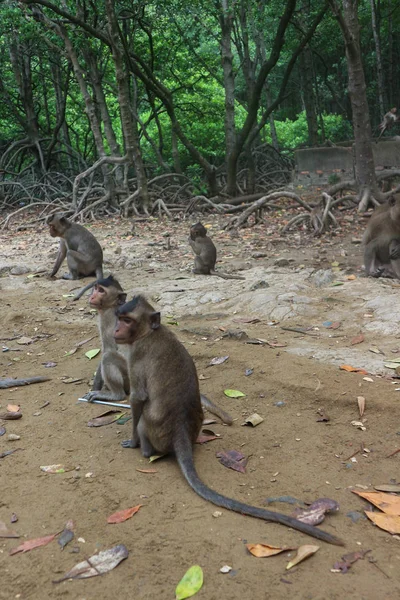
(90, 396)
(395, 253)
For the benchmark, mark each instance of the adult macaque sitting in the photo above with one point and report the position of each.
(205, 253)
(382, 240)
(83, 252)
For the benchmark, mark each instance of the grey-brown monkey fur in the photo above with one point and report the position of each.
(382, 240)
(205, 253)
(166, 407)
(112, 372)
(79, 246)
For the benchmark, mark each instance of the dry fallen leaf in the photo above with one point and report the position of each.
(265, 550)
(387, 503)
(233, 460)
(24, 340)
(361, 404)
(98, 564)
(13, 408)
(147, 470)
(32, 544)
(123, 515)
(254, 420)
(303, 552)
(351, 369)
(357, 340)
(390, 523)
(388, 487)
(10, 416)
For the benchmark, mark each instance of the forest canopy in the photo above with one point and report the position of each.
(116, 105)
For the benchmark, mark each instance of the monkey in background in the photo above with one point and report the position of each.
(166, 409)
(205, 253)
(382, 240)
(83, 252)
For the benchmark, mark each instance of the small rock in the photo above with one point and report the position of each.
(13, 436)
(356, 240)
(118, 250)
(217, 513)
(259, 255)
(19, 270)
(323, 277)
(225, 569)
(281, 262)
(259, 285)
(235, 335)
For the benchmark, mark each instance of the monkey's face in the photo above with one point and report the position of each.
(52, 227)
(97, 297)
(126, 331)
(197, 230)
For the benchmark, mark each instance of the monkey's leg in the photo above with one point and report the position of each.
(137, 408)
(114, 373)
(78, 265)
(373, 266)
(98, 382)
(394, 249)
(145, 444)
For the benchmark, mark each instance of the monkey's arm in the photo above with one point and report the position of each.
(195, 247)
(98, 380)
(62, 253)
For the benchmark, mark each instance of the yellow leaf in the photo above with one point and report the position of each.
(387, 503)
(264, 550)
(302, 553)
(390, 523)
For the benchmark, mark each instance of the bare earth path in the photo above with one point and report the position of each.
(295, 378)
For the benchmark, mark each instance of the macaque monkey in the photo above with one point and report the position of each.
(205, 253)
(112, 372)
(382, 240)
(166, 407)
(83, 252)
(389, 119)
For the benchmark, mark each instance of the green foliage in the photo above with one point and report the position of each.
(292, 134)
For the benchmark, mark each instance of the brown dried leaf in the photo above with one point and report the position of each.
(13, 408)
(351, 369)
(387, 503)
(357, 340)
(302, 553)
(106, 418)
(315, 514)
(98, 564)
(10, 416)
(147, 470)
(390, 523)
(388, 487)
(203, 439)
(123, 515)
(348, 559)
(265, 550)
(361, 404)
(24, 341)
(32, 544)
(233, 460)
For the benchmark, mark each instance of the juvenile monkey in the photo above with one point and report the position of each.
(382, 240)
(83, 252)
(112, 372)
(205, 253)
(166, 407)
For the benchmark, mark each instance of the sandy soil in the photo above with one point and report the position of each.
(291, 453)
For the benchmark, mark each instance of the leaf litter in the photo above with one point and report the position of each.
(232, 459)
(98, 564)
(123, 515)
(303, 552)
(266, 550)
(190, 584)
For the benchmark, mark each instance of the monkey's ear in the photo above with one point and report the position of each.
(63, 220)
(121, 299)
(155, 320)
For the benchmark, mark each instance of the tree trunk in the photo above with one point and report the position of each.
(226, 20)
(365, 168)
(379, 67)
(306, 70)
(128, 122)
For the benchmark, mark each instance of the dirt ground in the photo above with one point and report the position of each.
(291, 453)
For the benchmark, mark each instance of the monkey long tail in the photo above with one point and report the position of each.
(184, 455)
(9, 383)
(216, 410)
(99, 275)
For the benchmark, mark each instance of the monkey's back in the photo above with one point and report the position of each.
(166, 373)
